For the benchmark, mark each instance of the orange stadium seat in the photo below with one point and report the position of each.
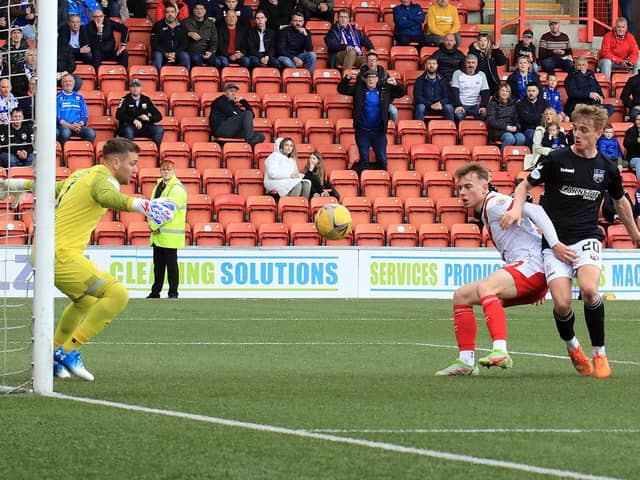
(228, 208)
(319, 131)
(184, 104)
(364, 12)
(110, 233)
(605, 83)
(241, 234)
(334, 157)
(206, 99)
(210, 234)
(322, 55)
(402, 235)
(468, 33)
(289, 127)
(419, 210)
(487, 241)
(139, 29)
(206, 155)
(238, 75)
(266, 80)
(454, 156)
(503, 181)
(113, 100)
(472, 133)
(360, 208)
(178, 152)
(618, 81)
(433, 235)
(260, 153)
(409, 80)
(249, 182)
(388, 210)
(442, 132)
(217, 181)
(105, 127)
(273, 235)
(171, 128)
(293, 210)
(629, 183)
(78, 154)
(261, 209)
(618, 237)
(397, 158)
(318, 29)
(88, 75)
(174, 79)
(375, 183)
(304, 152)
(426, 52)
(405, 106)
(96, 103)
(147, 74)
(276, 105)
(406, 184)
(12, 232)
(204, 79)
(489, 155)
(345, 132)
(263, 125)
(618, 109)
(138, 53)
(190, 178)
(148, 156)
(237, 155)
(380, 34)
(147, 180)
(307, 105)
(138, 233)
(513, 158)
(438, 184)
(325, 81)
(337, 106)
(369, 235)
(195, 130)
(61, 173)
(160, 100)
(345, 182)
(386, 11)
(404, 58)
(466, 235)
(304, 235)
(296, 80)
(411, 132)
(424, 157)
(450, 211)
(199, 209)
(317, 203)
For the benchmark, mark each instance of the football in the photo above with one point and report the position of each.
(333, 221)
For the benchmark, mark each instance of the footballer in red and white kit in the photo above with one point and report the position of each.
(521, 281)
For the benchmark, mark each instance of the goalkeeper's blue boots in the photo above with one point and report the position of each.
(59, 371)
(72, 361)
(497, 358)
(459, 368)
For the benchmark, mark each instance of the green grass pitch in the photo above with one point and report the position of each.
(361, 369)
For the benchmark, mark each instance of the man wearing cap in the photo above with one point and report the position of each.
(555, 49)
(166, 239)
(231, 117)
(619, 50)
(371, 100)
(526, 48)
(138, 115)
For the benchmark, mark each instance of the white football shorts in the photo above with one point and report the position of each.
(589, 253)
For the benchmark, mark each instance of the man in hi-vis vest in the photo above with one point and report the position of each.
(166, 239)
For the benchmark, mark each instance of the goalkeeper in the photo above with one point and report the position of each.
(81, 201)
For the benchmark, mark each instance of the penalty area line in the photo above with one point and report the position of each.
(390, 447)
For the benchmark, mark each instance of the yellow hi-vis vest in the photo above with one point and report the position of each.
(171, 234)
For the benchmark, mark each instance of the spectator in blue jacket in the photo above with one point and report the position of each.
(609, 147)
(408, 18)
(553, 96)
(295, 49)
(431, 93)
(582, 87)
(71, 113)
(521, 77)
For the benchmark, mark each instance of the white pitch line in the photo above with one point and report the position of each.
(477, 430)
(339, 344)
(391, 447)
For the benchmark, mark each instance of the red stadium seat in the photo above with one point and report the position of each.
(337, 106)
(489, 155)
(406, 184)
(263, 125)
(289, 127)
(105, 127)
(304, 235)
(364, 12)
(195, 130)
(334, 157)
(345, 132)
(375, 183)
(380, 34)
(96, 103)
(404, 58)
(419, 210)
(319, 131)
(217, 181)
(241, 235)
(174, 79)
(228, 208)
(138, 53)
(237, 155)
(178, 152)
(451, 211)
(513, 158)
(138, 234)
(438, 184)
(317, 203)
(369, 235)
(171, 129)
(433, 235)
(345, 182)
(148, 156)
(472, 133)
(296, 80)
(204, 79)
(112, 78)
(442, 132)
(160, 100)
(184, 104)
(405, 106)
(277, 105)
(88, 75)
(238, 75)
(397, 158)
(139, 29)
(402, 235)
(307, 105)
(110, 233)
(147, 74)
(325, 81)
(78, 154)
(12, 232)
(503, 181)
(199, 209)
(466, 235)
(454, 156)
(425, 157)
(273, 235)
(266, 80)
(190, 178)
(293, 210)
(618, 237)
(360, 208)
(261, 209)
(249, 182)
(388, 210)
(206, 155)
(208, 234)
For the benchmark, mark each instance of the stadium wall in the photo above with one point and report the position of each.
(316, 272)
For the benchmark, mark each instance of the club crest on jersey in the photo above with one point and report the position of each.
(598, 175)
(536, 173)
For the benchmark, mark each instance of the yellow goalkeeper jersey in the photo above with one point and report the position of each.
(81, 201)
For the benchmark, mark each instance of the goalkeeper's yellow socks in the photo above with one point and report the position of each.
(72, 316)
(113, 301)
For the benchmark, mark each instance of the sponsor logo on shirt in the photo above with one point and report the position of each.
(585, 193)
(567, 170)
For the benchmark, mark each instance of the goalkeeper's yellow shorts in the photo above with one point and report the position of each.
(79, 276)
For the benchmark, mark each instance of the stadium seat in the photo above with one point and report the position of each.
(147, 180)
(346, 182)
(276, 105)
(451, 211)
(375, 183)
(209, 234)
(402, 235)
(406, 184)
(334, 157)
(184, 104)
(472, 133)
(405, 106)
(386, 11)
(296, 80)
(238, 75)
(112, 78)
(113, 100)
(503, 181)
(304, 235)
(466, 235)
(438, 184)
(241, 234)
(442, 132)
(404, 58)
(605, 83)
(12, 232)
(263, 125)
(322, 55)
(316, 203)
(289, 127)
(140, 29)
(96, 103)
(304, 152)
(138, 233)
(397, 158)
(345, 132)
(364, 12)
(468, 33)
(360, 208)
(369, 235)
(266, 80)
(206, 99)
(195, 130)
(433, 235)
(88, 75)
(513, 158)
(629, 183)
(319, 131)
(199, 209)
(454, 156)
(105, 127)
(109, 233)
(148, 156)
(325, 80)
(618, 109)
(535, 192)
(190, 178)
(61, 173)
(174, 79)
(249, 181)
(409, 79)
(318, 29)
(424, 157)
(237, 155)
(380, 34)
(426, 52)
(307, 105)
(147, 74)
(260, 153)
(138, 53)
(618, 81)
(178, 152)
(204, 79)
(228, 208)
(489, 155)
(217, 181)
(388, 210)
(293, 210)
(78, 154)
(206, 155)
(273, 235)
(160, 100)
(171, 128)
(337, 106)
(261, 209)
(419, 210)
(618, 237)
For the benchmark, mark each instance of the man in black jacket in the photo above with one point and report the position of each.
(232, 36)
(631, 96)
(261, 44)
(169, 41)
(583, 87)
(295, 48)
(529, 112)
(431, 93)
(449, 57)
(103, 43)
(74, 34)
(16, 141)
(231, 117)
(138, 115)
(371, 101)
(345, 43)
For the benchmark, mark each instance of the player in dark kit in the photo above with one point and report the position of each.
(575, 180)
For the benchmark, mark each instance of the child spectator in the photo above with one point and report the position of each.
(553, 97)
(553, 137)
(609, 147)
(315, 172)
(526, 48)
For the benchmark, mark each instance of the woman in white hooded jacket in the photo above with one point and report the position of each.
(282, 173)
